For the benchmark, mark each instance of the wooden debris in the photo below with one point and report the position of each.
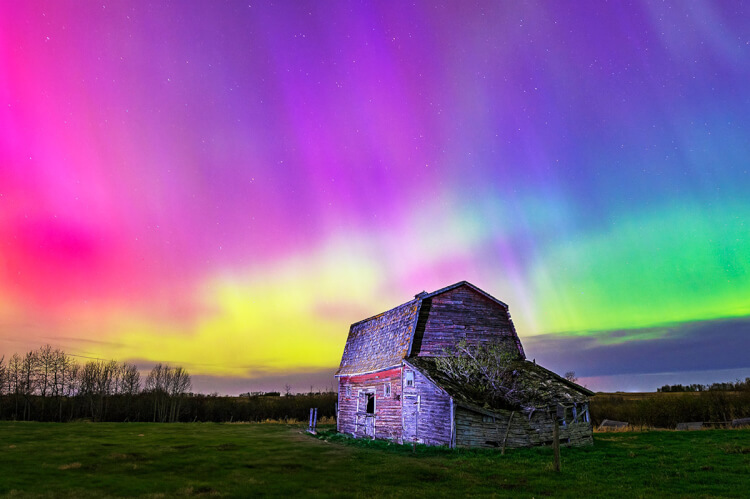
(610, 424)
(695, 425)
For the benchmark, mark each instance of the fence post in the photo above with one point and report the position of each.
(556, 444)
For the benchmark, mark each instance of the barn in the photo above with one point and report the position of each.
(391, 385)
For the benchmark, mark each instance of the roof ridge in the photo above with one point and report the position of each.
(472, 286)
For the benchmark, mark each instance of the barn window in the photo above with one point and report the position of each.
(487, 419)
(387, 390)
(409, 379)
(348, 391)
(370, 403)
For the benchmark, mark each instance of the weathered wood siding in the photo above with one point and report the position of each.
(427, 411)
(461, 314)
(387, 419)
(477, 430)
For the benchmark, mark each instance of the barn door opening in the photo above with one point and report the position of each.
(370, 415)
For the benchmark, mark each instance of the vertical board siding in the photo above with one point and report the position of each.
(387, 409)
(463, 314)
(427, 412)
(473, 431)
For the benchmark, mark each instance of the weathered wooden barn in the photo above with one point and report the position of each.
(391, 387)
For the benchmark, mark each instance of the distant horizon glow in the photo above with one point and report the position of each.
(229, 187)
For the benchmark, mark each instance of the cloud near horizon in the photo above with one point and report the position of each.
(712, 345)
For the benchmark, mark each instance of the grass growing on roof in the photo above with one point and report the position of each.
(140, 459)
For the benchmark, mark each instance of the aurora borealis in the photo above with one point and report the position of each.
(228, 186)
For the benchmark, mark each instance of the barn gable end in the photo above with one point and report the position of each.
(462, 312)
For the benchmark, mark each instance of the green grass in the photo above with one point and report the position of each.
(158, 460)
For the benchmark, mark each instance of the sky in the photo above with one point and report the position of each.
(229, 185)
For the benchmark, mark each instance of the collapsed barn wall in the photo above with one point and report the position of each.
(475, 429)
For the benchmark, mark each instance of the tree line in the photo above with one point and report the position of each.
(727, 386)
(666, 411)
(49, 385)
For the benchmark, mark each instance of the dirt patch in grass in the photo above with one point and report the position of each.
(70, 466)
(202, 490)
(735, 449)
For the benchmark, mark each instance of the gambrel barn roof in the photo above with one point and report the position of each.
(384, 340)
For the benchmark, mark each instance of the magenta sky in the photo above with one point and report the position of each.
(228, 186)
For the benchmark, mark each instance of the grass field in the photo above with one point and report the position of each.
(240, 460)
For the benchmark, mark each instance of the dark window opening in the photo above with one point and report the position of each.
(370, 403)
(492, 443)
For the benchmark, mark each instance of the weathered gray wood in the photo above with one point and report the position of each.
(740, 422)
(612, 424)
(463, 314)
(473, 431)
(387, 423)
(426, 412)
(694, 425)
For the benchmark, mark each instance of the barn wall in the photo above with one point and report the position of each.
(387, 408)
(427, 412)
(461, 314)
(575, 434)
(474, 430)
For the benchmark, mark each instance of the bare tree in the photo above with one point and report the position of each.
(29, 379)
(156, 385)
(46, 366)
(46, 363)
(72, 374)
(167, 386)
(571, 376)
(14, 380)
(3, 375)
(96, 385)
(130, 385)
(130, 381)
(3, 380)
(65, 370)
(179, 385)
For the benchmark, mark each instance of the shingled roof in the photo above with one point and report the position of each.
(381, 341)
